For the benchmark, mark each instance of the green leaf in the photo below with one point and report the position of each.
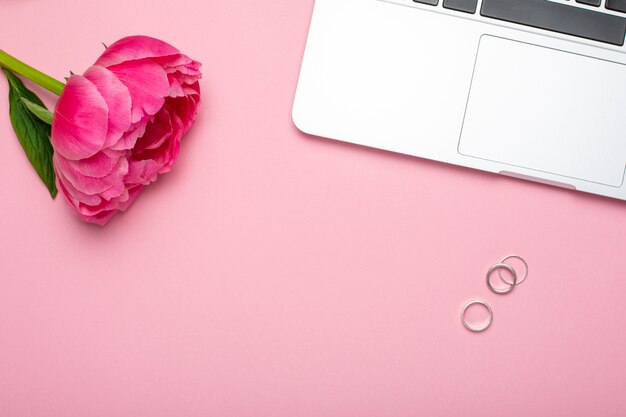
(32, 133)
(41, 112)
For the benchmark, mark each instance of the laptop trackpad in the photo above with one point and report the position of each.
(547, 110)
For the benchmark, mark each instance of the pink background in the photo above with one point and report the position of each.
(276, 274)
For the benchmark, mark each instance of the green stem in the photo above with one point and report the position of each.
(38, 77)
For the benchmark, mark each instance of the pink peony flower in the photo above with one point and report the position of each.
(119, 125)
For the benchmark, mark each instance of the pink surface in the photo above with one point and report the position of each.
(275, 274)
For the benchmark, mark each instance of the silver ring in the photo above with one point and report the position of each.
(525, 266)
(483, 327)
(511, 286)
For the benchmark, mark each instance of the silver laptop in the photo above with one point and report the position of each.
(534, 89)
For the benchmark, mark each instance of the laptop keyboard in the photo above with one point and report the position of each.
(587, 21)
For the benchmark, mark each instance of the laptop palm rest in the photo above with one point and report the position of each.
(546, 110)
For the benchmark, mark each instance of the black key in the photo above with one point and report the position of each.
(590, 2)
(431, 2)
(617, 5)
(560, 18)
(467, 6)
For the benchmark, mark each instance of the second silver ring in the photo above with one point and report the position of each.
(506, 258)
(510, 287)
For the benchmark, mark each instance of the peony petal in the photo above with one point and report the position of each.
(77, 196)
(177, 60)
(74, 196)
(176, 89)
(166, 154)
(89, 211)
(68, 196)
(192, 89)
(117, 98)
(92, 185)
(105, 205)
(147, 83)
(128, 139)
(141, 172)
(183, 72)
(133, 48)
(101, 218)
(99, 165)
(182, 66)
(174, 148)
(102, 213)
(155, 135)
(79, 126)
(184, 75)
(186, 108)
(114, 192)
(133, 192)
